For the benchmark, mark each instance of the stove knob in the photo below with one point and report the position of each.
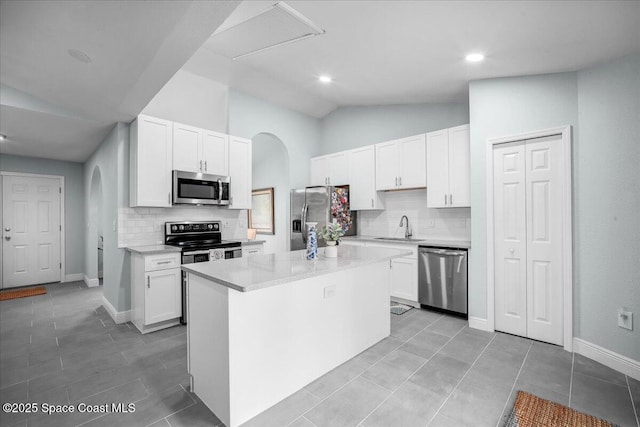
(181, 227)
(174, 227)
(210, 226)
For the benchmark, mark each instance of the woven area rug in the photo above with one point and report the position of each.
(529, 411)
(22, 293)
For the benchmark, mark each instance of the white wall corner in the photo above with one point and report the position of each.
(91, 283)
(73, 277)
(608, 358)
(479, 323)
(117, 316)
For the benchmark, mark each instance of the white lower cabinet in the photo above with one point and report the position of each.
(404, 271)
(156, 298)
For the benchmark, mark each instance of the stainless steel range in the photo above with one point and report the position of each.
(200, 242)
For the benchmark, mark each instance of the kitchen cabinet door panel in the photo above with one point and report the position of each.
(151, 162)
(438, 169)
(459, 166)
(387, 158)
(215, 153)
(404, 282)
(412, 166)
(186, 147)
(362, 179)
(337, 168)
(163, 299)
(318, 170)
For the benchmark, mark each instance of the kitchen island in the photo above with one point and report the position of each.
(261, 328)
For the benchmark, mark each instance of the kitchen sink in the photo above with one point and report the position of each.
(399, 239)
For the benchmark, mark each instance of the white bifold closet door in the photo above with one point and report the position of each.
(527, 191)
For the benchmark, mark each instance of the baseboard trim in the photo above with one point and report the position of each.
(479, 323)
(608, 358)
(117, 316)
(92, 283)
(73, 277)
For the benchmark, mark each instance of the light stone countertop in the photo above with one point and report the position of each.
(413, 242)
(265, 270)
(153, 249)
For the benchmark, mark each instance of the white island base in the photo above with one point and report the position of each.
(250, 350)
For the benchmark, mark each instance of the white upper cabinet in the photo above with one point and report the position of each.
(215, 153)
(150, 162)
(448, 168)
(400, 164)
(330, 169)
(361, 165)
(200, 150)
(240, 173)
(187, 143)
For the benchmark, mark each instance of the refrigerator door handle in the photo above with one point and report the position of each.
(304, 223)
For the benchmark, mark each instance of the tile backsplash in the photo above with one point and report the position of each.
(446, 224)
(145, 226)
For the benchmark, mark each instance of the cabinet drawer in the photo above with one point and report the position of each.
(161, 261)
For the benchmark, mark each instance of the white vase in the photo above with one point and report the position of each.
(331, 251)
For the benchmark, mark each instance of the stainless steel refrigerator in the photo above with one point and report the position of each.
(321, 205)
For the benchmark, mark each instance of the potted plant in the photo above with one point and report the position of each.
(331, 233)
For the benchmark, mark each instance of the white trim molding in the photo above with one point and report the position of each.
(73, 277)
(567, 221)
(479, 323)
(91, 283)
(608, 358)
(117, 316)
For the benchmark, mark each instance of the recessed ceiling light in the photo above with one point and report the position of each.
(474, 57)
(79, 55)
(325, 79)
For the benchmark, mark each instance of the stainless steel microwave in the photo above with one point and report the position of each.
(191, 188)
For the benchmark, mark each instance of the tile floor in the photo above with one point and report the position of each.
(64, 348)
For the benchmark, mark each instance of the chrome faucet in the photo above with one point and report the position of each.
(407, 230)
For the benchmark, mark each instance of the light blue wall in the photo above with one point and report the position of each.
(249, 116)
(500, 107)
(271, 169)
(607, 208)
(73, 199)
(351, 127)
(111, 159)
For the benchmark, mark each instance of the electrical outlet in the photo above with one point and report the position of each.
(625, 318)
(225, 224)
(329, 291)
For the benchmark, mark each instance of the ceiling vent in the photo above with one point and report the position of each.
(276, 26)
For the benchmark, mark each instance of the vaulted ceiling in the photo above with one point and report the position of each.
(378, 52)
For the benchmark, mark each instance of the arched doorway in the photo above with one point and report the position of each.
(270, 168)
(95, 240)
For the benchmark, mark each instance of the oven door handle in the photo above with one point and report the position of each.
(196, 252)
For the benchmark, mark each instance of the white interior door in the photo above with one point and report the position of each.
(510, 238)
(31, 230)
(528, 234)
(544, 171)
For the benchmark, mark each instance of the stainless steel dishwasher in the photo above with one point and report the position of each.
(442, 279)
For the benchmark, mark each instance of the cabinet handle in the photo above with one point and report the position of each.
(149, 282)
(371, 202)
(445, 200)
(163, 262)
(400, 180)
(169, 198)
(200, 165)
(451, 199)
(396, 181)
(205, 166)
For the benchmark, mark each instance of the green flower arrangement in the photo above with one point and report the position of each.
(331, 232)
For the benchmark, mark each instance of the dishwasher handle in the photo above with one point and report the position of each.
(444, 252)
